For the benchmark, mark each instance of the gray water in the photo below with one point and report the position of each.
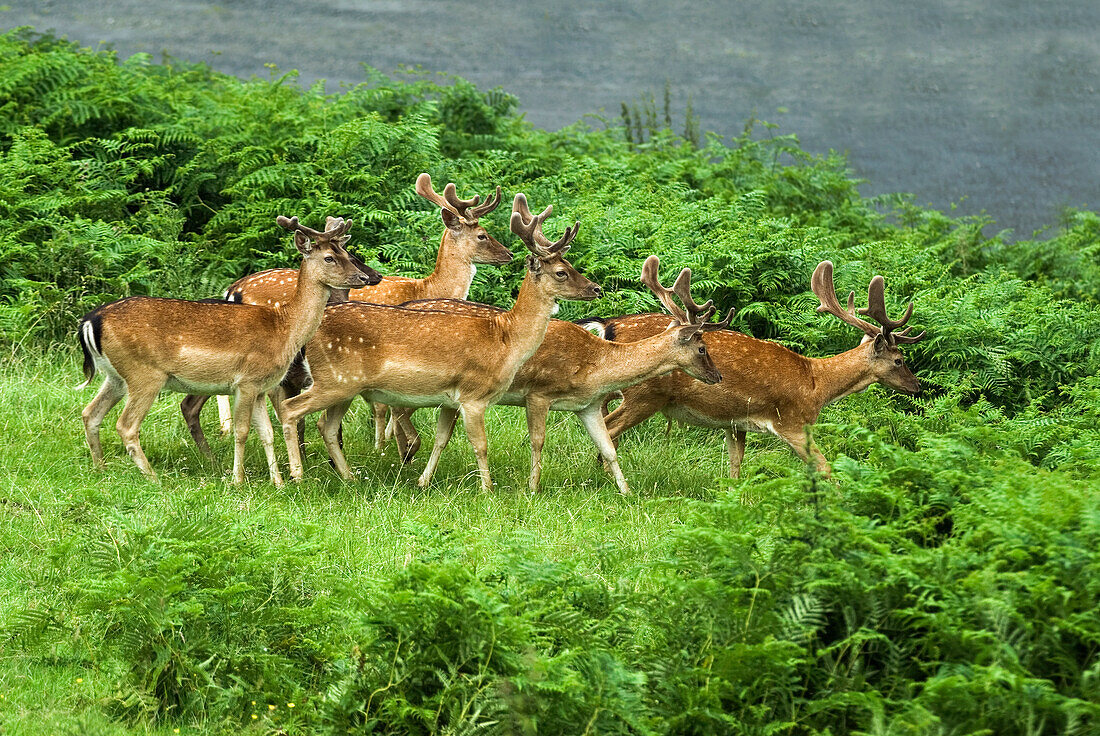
(980, 105)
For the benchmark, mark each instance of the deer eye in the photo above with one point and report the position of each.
(481, 236)
(702, 351)
(897, 361)
(330, 259)
(560, 274)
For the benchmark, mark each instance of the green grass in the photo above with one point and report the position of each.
(970, 560)
(366, 530)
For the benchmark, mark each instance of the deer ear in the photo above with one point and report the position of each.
(534, 263)
(302, 242)
(450, 219)
(881, 343)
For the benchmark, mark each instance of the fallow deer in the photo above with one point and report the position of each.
(465, 244)
(765, 386)
(460, 363)
(144, 344)
(574, 370)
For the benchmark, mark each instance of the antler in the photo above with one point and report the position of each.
(876, 310)
(334, 226)
(467, 210)
(529, 229)
(292, 224)
(692, 313)
(483, 209)
(822, 285)
(681, 287)
(664, 296)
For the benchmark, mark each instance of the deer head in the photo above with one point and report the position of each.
(887, 363)
(325, 257)
(546, 261)
(460, 216)
(688, 324)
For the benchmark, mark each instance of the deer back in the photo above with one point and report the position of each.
(760, 379)
(566, 352)
(573, 363)
(408, 355)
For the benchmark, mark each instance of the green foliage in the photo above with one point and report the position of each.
(945, 582)
(204, 613)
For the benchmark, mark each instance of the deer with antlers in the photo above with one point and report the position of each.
(465, 244)
(765, 386)
(411, 358)
(574, 370)
(144, 344)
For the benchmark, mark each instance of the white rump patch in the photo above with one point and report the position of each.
(596, 328)
(89, 338)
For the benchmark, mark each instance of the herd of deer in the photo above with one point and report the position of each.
(315, 338)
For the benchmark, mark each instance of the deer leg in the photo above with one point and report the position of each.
(330, 432)
(292, 437)
(262, 422)
(281, 393)
(536, 430)
(444, 426)
(395, 433)
(412, 437)
(191, 407)
(381, 430)
(293, 410)
(807, 451)
(735, 448)
(473, 419)
(593, 422)
(242, 419)
(278, 396)
(109, 394)
(408, 439)
(225, 415)
(635, 409)
(138, 402)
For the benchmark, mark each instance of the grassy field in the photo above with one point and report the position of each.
(766, 567)
(362, 531)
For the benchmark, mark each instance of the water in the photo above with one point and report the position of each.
(981, 105)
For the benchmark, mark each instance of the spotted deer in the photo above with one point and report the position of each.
(143, 344)
(574, 370)
(460, 363)
(465, 245)
(765, 386)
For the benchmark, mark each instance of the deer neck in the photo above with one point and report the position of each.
(453, 272)
(842, 375)
(303, 312)
(622, 364)
(524, 326)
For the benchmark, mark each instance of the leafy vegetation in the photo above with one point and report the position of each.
(946, 581)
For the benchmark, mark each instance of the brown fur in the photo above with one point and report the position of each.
(414, 358)
(765, 388)
(574, 370)
(145, 345)
(465, 244)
